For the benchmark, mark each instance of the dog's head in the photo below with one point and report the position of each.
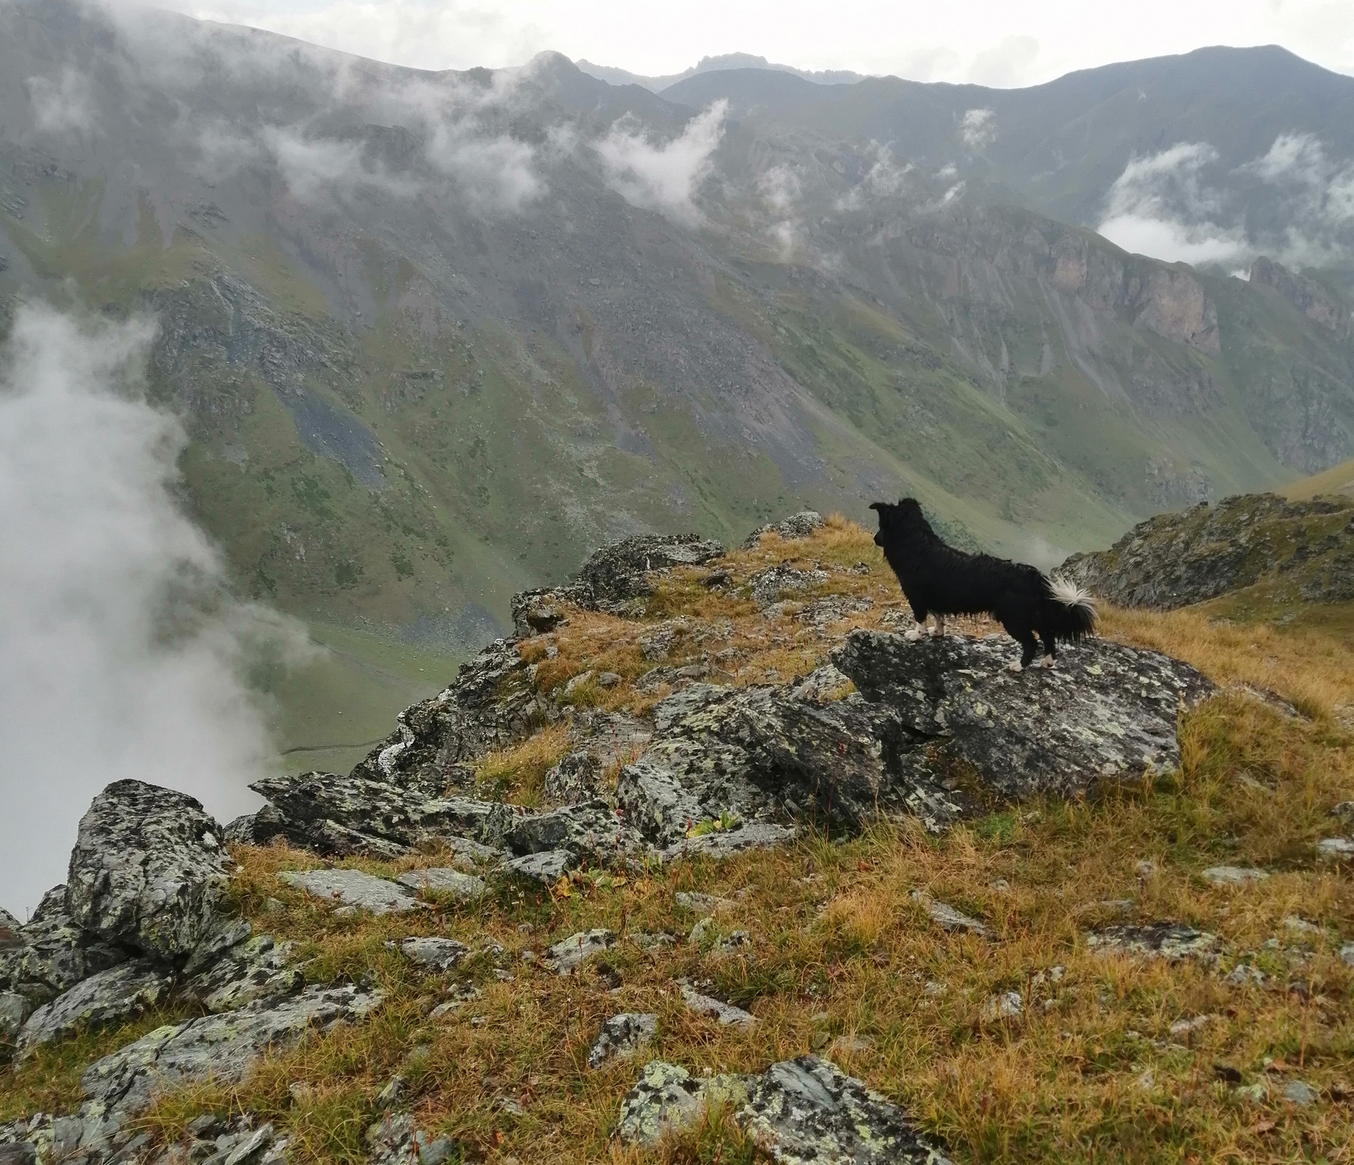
(897, 520)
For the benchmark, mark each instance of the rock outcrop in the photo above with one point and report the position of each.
(1106, 712)
(148, 870)
(796, 1112)
(1304, 550)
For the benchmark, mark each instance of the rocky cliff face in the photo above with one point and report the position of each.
(1295, 551)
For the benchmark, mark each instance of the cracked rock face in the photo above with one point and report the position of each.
(220, 1047)
(1106, 712)
(52, 954)
(148, 869)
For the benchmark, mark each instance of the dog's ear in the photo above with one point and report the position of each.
(879, 506)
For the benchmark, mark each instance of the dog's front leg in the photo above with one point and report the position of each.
(918, 631)
(938, 631)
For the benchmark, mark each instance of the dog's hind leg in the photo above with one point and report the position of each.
(1050, 646)
(1025, 637)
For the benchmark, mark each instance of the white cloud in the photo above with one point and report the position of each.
(1178, 205)
(495, 173)
(121, 649)
(663, 177)
(1006, 64)
(978, 128)
(318, 168)
(64, 105)
(1159, 206)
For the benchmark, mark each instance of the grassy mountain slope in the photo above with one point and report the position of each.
(1111, 1058)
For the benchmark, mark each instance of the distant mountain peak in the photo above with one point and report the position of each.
(720, 63)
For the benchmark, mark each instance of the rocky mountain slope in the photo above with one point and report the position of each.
(1262, 546)
(434, 336)
(707, 863)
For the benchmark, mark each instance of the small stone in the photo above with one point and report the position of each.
(353, 889)
(732, 943)
(566, 956)
(724, 1013)
(1245, 975)
(607, 679)
(1299, 1093)
(948, 918)
(701, 903)
(1343, 811)
(850, 1045)
(392, 1093)
(621, 1036)
(1146, 868)
(547, 867)
(1186, 1027)
(247, 1146)
(1252, 1093)
(463, 887)
(1007, 1005)
(1336, 849)
(1347, 953)
(1234, 875)
(1165, 940)
(437, 1151)
(1301, 925)
(437, 954)
(1226, 1073)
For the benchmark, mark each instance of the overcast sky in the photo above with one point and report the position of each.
(993, 42)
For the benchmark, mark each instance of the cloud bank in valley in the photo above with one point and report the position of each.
(1182, 206)
(120, 652)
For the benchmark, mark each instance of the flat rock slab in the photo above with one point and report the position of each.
(724, 1013)
(568, 954)
(118, 993)
(148, 870)
(808, 1112)
(441, 880)
(948, 918)
(1336, 849)
(1161, 940)
(1106, 712)
(352, 890)
(217, 1047)
(1233, 875)
(622, 1035)
(437, 954)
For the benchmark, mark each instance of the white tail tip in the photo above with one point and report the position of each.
(1070, 595)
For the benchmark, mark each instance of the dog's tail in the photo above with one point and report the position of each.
(1067, 611)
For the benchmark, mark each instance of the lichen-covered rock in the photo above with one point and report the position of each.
(591, 829)
(1305, 548)
(799, 525)
(667, 1098)
(217, 1047)
(948, 918)
(389, 812)
(728, 1014)
(52, 954)
(1160, 940)
(1107, 712)
(255, 968)
(622, 1036)
(547, 867)
(567, 955)
(352, 890)
(491, 704)
(573, 779)
(765, 754)
(778, 582)
(396, 1140)
(148, 869)
(620, 571)
(121, 992)
(808, 1112)
(435, 954)
(441, 880)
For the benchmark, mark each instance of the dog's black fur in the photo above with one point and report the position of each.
(940, 580)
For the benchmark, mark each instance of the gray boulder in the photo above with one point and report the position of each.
(799, 525)
(148, 869)
(393, 814)
(118, 993)
(52, 954)
(621, 571)
(1107, 712)
(808, 1111)
(255, 968)
(221, 1048)
(667, 1098)
(461, 886)
(434, 954)
(540, 611)
(567, 955)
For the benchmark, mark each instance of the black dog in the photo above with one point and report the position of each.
(940, 580)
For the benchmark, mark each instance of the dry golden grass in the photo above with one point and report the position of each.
(1089, 1072)
(518, 773)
